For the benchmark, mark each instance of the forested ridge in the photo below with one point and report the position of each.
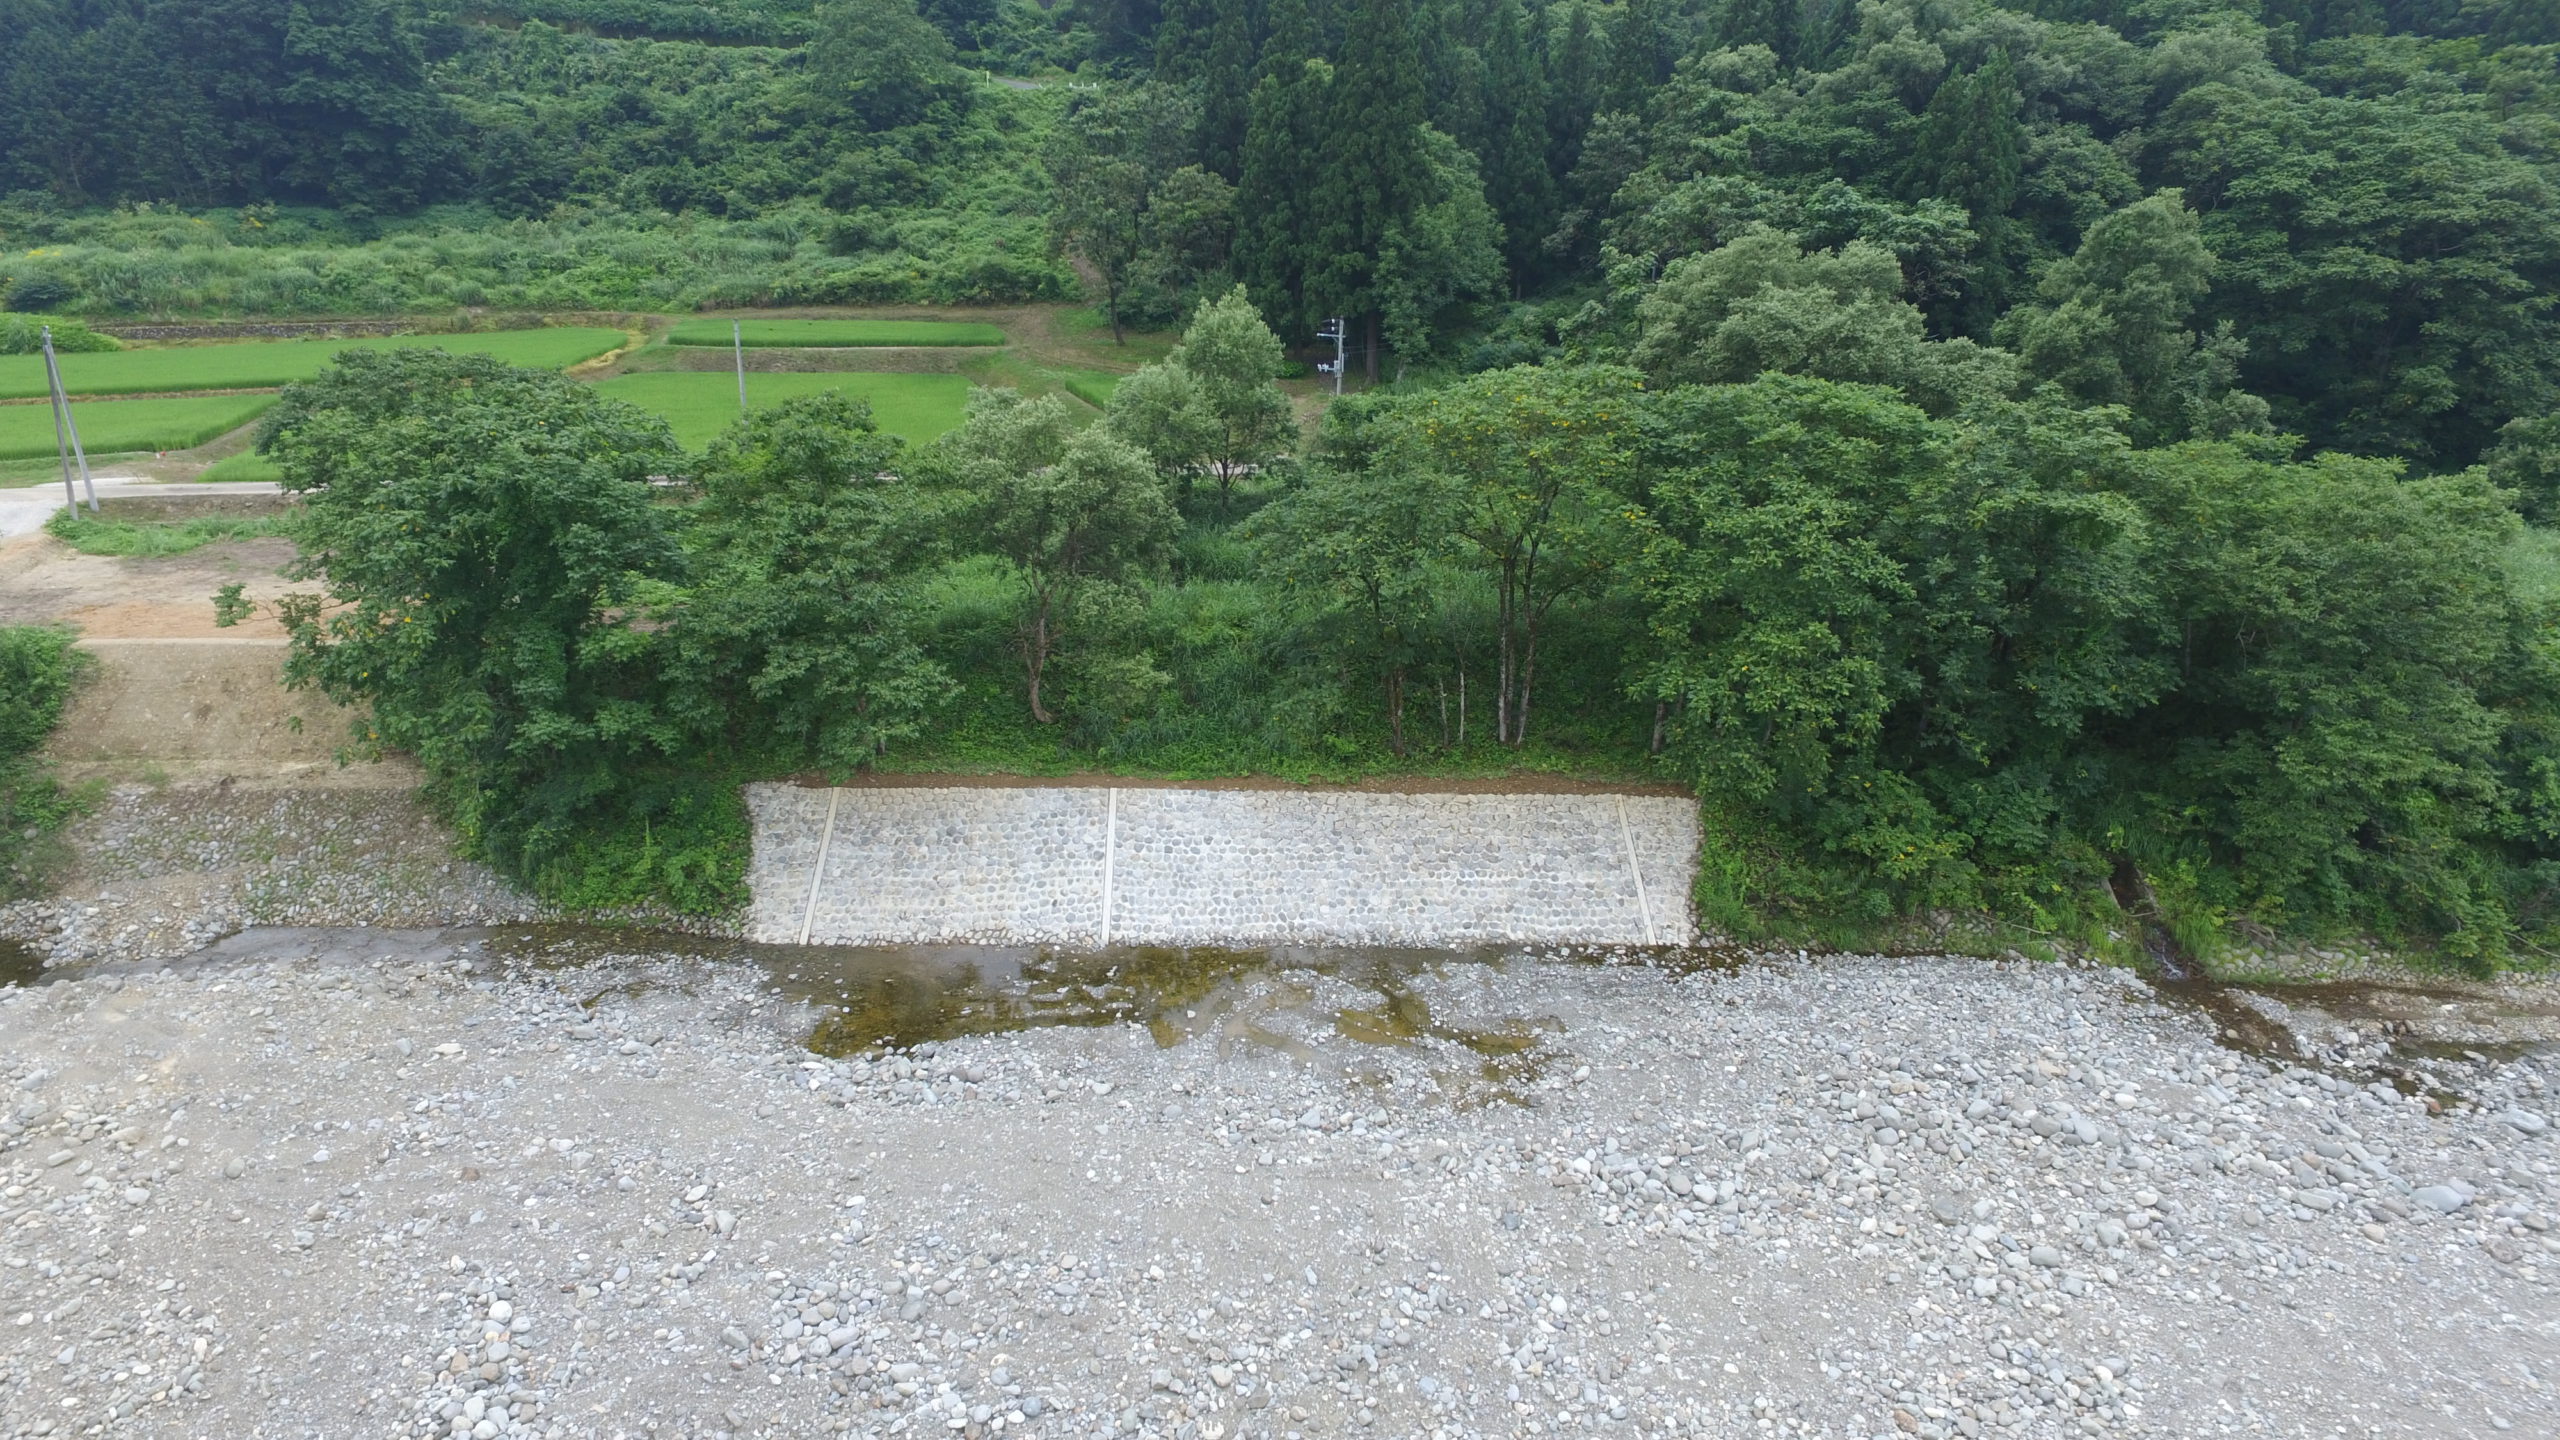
(2011, 460)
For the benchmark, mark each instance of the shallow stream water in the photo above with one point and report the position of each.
(864, 998)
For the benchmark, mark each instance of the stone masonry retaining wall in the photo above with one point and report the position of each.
(1096, 866)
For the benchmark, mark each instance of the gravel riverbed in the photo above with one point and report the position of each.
(399, 1184)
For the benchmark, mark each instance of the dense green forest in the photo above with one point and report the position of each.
(2009, 459)
(2373, 251)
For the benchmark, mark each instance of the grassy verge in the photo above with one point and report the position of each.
(259, 364)
(1093, 387)
(701, 405)
(107, 426)
(109, 536)
(826, 334)
(1008, 370)
(247, 465)
(38, 667)
(23, 474)
(1083, 329)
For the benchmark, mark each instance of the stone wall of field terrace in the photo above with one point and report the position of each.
(1146, 866)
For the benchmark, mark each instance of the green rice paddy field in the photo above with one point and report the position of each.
(831, 334)
(111, 426)
(265, 363)
(699, 406)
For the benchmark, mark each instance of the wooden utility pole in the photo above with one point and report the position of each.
(738, 348)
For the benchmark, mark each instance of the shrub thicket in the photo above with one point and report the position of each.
(38, 667)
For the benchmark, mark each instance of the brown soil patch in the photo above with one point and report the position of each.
(144, 620)
(43, 581)
(206, 710)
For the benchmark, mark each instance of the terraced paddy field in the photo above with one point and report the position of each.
(112, 426)
(699, 405)
(265, 364)
(830, 334)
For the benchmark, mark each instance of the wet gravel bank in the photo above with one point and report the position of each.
(399, 1188)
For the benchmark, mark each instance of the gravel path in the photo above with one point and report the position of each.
(421, 1189)
(158, 873)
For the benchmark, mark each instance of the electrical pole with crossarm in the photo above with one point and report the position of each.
(1334, 331)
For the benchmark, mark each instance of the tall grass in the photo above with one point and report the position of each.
(174, 265)
(102, 535)
(38, 667)
(835, 333)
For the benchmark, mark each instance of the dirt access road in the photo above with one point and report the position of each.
(172, 699)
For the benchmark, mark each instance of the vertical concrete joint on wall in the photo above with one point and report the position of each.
(818, 872)
(1635, 867)
(1000, 865)
(1110, 842)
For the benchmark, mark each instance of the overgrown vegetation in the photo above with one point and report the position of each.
(38, 667)
(482, 531)
(25, 334)
(1990, 450)
(463, 164)
(834, 333)
(105, 535)
(1981, 662)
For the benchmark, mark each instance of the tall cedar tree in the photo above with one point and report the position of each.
(1123, 29)
(1969, 151)
(1449, 66)
(1825, 34)
(1777, 24)
(1642, 51)
(1278, 176)
(1370, 171)
(1514, 153)
(1182, 41)
(1573, 87)
(1226, 88)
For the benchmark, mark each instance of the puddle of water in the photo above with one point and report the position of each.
(19, 965)
(872, 998)
(2237, 1025)
(2414, 1020)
